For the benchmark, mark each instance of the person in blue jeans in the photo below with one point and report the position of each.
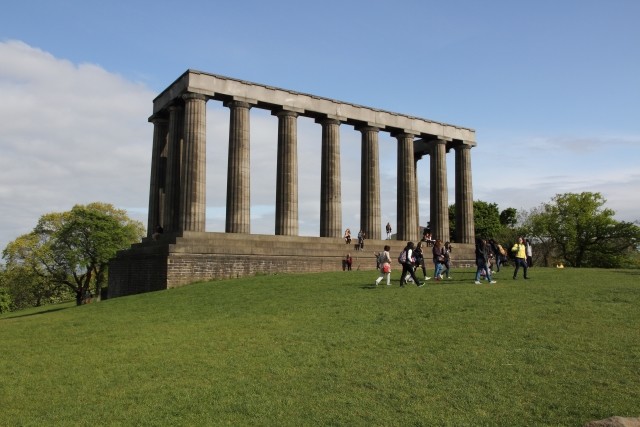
(407, 261)
(438, 258)
(520, 252)
(447, 259)
(482, 261)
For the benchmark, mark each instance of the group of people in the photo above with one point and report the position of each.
(361, 237)
(489, 252)
(412, 258)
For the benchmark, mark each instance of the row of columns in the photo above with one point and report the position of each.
(178, 176)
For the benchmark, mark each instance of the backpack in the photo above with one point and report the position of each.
(402, 258)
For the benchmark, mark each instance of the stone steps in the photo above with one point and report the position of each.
(174, 260)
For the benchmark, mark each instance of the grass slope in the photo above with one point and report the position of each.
(331, 349)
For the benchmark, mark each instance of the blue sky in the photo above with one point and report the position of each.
(552, 89)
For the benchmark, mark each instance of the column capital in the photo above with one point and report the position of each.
(284, 113)
(460, 144)
(192, 95)
(433, 143)
(367, 128)
(237, 104)
(403, 133)
(328, 121)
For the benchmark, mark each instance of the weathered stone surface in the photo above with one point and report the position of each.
(177, 200)
(176, 260)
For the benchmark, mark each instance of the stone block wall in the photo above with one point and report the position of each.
(177, 260)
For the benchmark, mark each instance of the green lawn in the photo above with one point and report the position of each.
(331, 349)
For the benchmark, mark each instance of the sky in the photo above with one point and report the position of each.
(551, 87)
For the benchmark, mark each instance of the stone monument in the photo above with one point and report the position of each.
(185, 252)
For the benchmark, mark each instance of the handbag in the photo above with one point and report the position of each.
(386, 267)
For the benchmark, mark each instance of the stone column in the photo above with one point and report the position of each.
(194, 166)
(287, 174)
(465, 229)
(238, 173)
(439, 191)
(330, 185)
(417, 158)
(370, 184)
(407, 201)
(158, 172)
(174, 159)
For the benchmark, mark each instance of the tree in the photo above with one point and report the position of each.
(583, 232)
(486, 219)
(535, 227)
(72, 249)
(28, 289)
(5, 297)
(509, 217)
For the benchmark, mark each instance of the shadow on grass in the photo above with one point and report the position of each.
(630, 273)
(51, 310)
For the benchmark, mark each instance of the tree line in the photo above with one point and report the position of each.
(574, 229)
(66, 255)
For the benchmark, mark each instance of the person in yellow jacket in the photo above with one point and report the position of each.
(520, 252)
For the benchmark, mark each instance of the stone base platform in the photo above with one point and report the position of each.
(175, 260)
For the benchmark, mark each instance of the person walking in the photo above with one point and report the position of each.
(520, 252)
(388, 231)
(406, 259)
(418, 254)
(482, 261)
(495, 249)
(438, 259)
(447, 259)
(384, 262)
(527, 244)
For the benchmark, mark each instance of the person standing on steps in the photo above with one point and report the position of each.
(520, 252)
(361, 237)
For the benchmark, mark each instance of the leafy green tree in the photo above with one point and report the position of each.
(509, 217)
(5, 296)
(72, 249)
(26, 288)
(487, 219)
(535, 226)
(583, 232)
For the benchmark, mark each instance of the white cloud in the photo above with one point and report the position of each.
(69, 134)
(525, 171)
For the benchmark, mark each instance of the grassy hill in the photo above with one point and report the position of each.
(331, 349)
